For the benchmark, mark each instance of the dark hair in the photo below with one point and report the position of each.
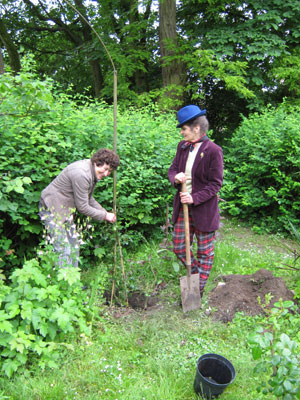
(200, 121)
(106, 156)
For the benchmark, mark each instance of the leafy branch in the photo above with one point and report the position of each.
(277, 352)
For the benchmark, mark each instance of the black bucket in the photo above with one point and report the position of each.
(214, 373)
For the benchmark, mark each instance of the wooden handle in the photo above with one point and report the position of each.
(187, 233)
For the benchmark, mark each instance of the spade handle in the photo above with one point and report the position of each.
(186, 233)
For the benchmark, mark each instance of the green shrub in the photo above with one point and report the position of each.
(262, 161)
(277, 353)
(47, 132)
(40, 306)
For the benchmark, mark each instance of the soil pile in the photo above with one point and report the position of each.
(240, 292)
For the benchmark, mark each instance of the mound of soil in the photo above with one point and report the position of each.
(240, 292)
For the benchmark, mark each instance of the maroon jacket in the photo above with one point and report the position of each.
(207, 178)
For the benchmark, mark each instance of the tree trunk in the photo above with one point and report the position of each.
(97, 76)
(173, 72)
(10, 47)
(1, 63)
(88, 37)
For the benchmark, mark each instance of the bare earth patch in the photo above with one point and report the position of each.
(239, 293)
(233, 293)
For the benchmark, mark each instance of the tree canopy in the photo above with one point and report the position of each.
(231, 57)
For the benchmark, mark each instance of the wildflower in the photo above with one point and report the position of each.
(70, 218)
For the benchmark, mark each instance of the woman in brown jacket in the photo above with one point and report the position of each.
(73, 190)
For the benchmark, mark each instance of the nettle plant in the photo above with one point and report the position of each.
(40, 307)
(277, 352)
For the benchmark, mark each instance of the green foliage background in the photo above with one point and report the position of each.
(237, 56)
(262, 180)
(43, 131)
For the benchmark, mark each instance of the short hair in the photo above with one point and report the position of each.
(106, 156)
(199, 121)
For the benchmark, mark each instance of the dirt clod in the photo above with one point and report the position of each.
(239, 293)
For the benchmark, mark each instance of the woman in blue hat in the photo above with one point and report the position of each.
(199, 163)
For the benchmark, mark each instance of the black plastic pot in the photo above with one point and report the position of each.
(214, 373)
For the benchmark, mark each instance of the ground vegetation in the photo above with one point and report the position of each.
(149, 350)
(120, 320)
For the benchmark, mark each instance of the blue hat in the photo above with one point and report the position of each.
(188, 113)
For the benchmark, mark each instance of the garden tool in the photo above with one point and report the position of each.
(189, 284)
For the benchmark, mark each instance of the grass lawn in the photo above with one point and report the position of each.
(152, 353)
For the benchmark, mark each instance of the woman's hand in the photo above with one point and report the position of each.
(111, 217)
(180, 178)
(186, 198)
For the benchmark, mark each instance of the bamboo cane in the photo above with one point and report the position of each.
(115, 91)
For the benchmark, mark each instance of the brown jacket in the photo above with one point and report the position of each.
(73, 188)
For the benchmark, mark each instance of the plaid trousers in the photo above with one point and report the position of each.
(205, 248)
